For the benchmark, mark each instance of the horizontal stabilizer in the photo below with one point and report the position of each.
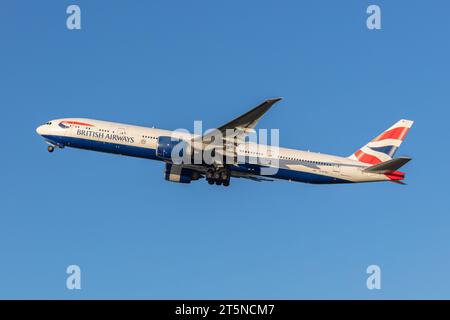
(399, 182)
(388, 166)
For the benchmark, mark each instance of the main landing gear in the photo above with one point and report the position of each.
(218, 176)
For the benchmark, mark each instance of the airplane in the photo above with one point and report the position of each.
(371, 163)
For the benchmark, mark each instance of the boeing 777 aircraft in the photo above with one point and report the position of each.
(233, 155)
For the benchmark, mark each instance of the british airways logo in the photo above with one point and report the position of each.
(106, 136)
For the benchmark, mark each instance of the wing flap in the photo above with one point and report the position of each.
(249, 176)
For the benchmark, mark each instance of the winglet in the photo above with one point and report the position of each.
(274, 100)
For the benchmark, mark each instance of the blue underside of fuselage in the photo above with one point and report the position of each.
(101, 146)
(148, 153)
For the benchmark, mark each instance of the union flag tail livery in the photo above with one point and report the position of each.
(383, 147)
(234, 157)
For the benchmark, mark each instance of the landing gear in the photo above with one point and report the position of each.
(224, 175)
(50, 148)
(218, 176)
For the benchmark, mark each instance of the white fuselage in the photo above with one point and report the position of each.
(137, 141)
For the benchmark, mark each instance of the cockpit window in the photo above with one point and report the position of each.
(49, 123)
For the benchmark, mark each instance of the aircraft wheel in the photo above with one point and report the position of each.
(218, 182)
(51, 148)
(224, 176)
(226, 183)
(210, 181)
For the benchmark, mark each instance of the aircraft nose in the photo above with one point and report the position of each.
(40, 130)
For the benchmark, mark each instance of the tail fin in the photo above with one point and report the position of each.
(383, 147)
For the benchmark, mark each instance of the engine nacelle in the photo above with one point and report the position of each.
(176, 173)
(167, 145)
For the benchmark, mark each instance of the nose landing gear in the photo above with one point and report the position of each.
(218, 176)
(50, 148)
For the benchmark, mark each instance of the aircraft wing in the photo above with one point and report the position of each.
(249, 176)
(244, 123)
(256, 178)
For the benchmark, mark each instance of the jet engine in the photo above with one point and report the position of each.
(168, 145)
(176, 173)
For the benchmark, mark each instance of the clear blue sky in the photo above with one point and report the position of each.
(167, 63)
